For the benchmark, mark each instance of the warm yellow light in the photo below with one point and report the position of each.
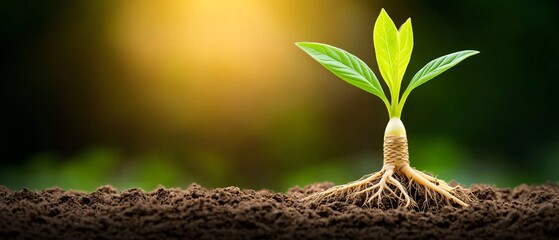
(202, 64)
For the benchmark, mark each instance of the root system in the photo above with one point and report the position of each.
(396, 185)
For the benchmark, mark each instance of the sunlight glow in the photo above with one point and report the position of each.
(199, 57)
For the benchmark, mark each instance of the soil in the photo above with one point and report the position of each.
(525, 212)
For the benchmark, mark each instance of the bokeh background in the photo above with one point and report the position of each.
(137, 93)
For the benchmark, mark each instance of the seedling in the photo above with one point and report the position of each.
(396, 184)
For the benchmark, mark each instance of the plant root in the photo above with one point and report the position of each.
(396, 187)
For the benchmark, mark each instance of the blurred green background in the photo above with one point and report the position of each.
(140, 93)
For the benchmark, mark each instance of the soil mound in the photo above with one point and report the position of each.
(525, 212)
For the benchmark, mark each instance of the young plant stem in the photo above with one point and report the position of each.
(403, 99)
(393, 112)
(395, 145)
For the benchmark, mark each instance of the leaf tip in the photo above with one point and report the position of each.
(302, 44)
(383, 13)
(472, 52)
(406, 23)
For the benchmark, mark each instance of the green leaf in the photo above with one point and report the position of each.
(431, 70)
(405, 42)
(385, 39)
(438, 66)
(344, 65)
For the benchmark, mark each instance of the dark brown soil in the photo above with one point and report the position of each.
(525, 212)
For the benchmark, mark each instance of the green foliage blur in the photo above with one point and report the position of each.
(173, 92)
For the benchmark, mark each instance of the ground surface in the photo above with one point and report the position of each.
(525, 212)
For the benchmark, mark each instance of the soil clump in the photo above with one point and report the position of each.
(525, 212)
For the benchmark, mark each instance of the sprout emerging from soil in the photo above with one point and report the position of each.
(397, 184)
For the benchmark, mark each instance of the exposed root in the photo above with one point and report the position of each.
(397, 184)
(396, 187)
